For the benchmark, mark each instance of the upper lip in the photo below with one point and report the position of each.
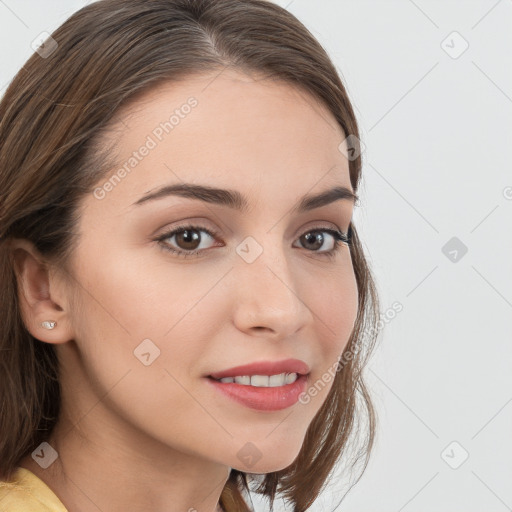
(265, 368)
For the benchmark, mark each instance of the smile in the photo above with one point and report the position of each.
(262, 381)
(262, 395)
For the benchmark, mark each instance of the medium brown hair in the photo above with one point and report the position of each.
(52, 118)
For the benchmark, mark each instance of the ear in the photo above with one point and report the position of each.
(41, 294)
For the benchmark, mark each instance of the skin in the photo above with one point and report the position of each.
(159, 437)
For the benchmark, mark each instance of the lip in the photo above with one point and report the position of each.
(262, 398)
(265, 368)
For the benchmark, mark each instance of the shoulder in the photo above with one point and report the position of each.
(25, 492)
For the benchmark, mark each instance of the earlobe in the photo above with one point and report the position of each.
(38, 295)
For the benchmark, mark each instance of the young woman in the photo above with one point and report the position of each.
(186, 307)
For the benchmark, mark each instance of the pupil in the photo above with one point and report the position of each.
(318, 238)
(189, 237)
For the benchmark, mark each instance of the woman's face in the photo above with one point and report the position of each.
(153, 325)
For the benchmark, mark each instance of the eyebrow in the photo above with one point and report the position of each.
(236, 200)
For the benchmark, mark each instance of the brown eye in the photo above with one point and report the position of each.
(314, 239)
(187, 240)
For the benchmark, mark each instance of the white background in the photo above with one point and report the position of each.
(437, 164)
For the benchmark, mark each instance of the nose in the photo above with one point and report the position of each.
(267, 298)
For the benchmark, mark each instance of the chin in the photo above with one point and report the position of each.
(252, 460)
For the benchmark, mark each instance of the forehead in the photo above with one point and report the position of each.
(228, 130)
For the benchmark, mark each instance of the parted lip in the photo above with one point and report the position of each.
(265, 368)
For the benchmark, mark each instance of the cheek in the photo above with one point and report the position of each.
(337, 304)
(135, 314)
(335, 307)
(129, 301)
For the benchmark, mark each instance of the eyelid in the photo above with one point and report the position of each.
(202, 222)
(317, 224)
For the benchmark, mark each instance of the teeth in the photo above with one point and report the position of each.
(291, 377)
(262, 381)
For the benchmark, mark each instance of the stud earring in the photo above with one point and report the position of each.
(48, 324)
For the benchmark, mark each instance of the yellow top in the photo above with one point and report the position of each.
(26, 492)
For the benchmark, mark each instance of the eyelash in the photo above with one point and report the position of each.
(339, 238)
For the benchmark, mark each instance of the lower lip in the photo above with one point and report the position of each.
(263, 398)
